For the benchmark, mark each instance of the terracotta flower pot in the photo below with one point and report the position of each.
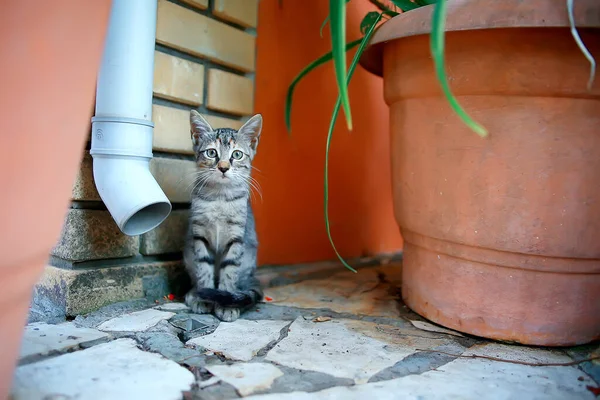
(51, 53)
(502, 234)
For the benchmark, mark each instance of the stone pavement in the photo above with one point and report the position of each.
(346, 336)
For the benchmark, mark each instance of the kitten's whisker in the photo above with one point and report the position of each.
(202, 181)
(256, 181)
(199, 177)
(254, 185)
(184, 180)
(258, 171)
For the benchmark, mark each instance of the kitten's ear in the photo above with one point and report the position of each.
(251, 130)
(199, 127)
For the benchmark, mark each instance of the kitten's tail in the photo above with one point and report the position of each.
(238, 299)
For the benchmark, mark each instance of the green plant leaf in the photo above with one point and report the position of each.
(337, 24)
(581, 45)
(425, 2)
(325, 22)
(405, 5)
(437, 52)
(383, 7)
(371, 18)
(305, 71)
(336, 110)
(323, 26)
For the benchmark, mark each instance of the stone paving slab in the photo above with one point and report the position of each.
(308, 381)
(136, 321)
(469, 379)
(115, 370)
(592, 368)
(240, 340)
(194, 325)
(373, 291)
(346, 337)
(93, 319)
(426, 326)
(345, 348)
(247, 378)
(173, 307)
(41, 339)
(171, 347)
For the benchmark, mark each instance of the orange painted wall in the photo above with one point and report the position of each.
(290, 221)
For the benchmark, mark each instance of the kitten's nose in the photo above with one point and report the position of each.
(223, 166)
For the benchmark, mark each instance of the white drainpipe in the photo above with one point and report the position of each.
(122, 126)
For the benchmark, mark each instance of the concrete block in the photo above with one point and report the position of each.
(69, 292)
(84, 188)
(175, 177)
(168, 237)
(91, 235)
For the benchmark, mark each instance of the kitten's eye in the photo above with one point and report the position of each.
(237, 155)
(210, 153)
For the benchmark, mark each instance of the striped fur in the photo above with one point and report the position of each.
(221, 245)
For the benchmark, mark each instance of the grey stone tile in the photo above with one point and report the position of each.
(194, 325)
(115, 370)
(136, 321)
(471, 379)
(41, 339)
(592, 368)
(419, 362)
(294, 380)
(372, 291)
(173, 307)
(247, 378)
(242, 339)
(171, 347)
(346, 348)
(93, 319)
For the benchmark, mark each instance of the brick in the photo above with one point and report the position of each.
(201, 36)
(168, 237)
(242, 12)
(84, 187)
(230, 93)
(201, 4)
(178, 79)
(172, 128)
(175, 177)
(69, 292)
(92, 235)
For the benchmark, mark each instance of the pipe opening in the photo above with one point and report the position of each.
(146, 219)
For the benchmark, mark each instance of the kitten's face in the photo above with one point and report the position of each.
(224, 156)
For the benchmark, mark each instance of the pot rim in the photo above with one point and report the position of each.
(466, 15)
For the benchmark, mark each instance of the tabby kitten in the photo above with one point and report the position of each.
(220, 249)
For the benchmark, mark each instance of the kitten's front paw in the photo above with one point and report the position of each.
(198, 306)
(227, 314)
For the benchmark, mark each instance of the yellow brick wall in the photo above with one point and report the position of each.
(204, 59)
